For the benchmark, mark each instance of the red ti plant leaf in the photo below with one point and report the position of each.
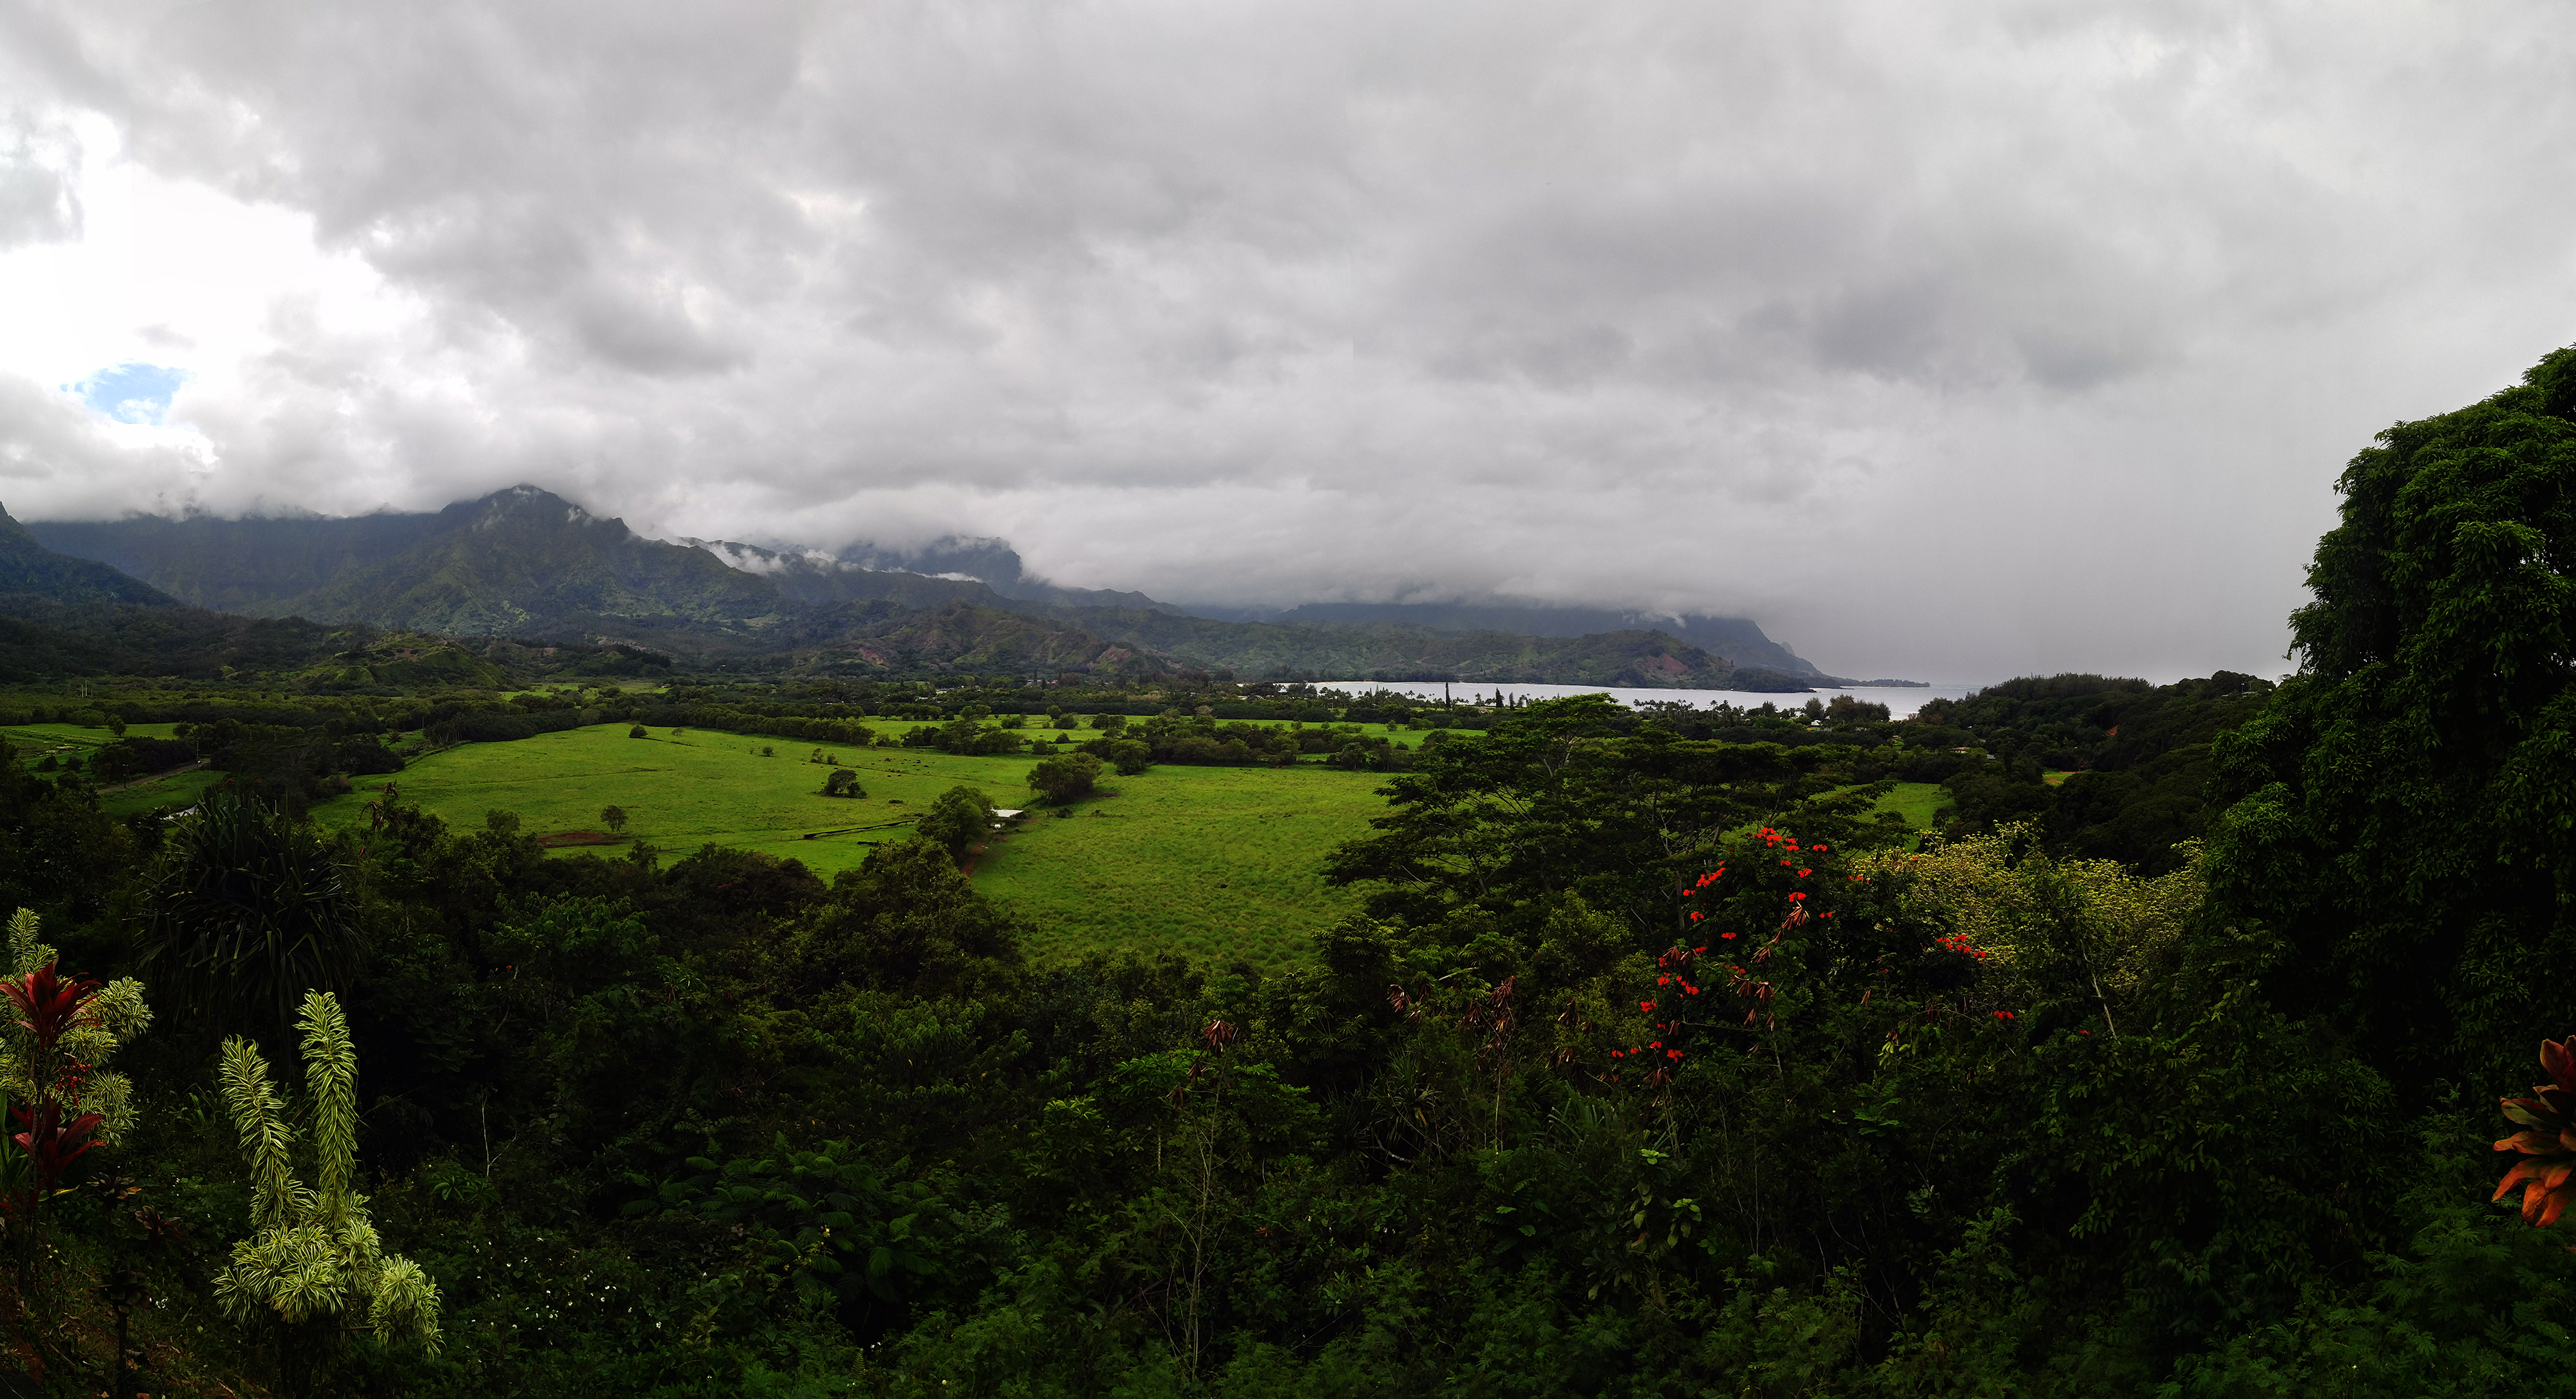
(52, 1144)
(2546, 1175)
(47, 1003)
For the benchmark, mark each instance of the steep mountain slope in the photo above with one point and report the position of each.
(961, 637)
(27, 567)
(1160, 632)
(254, 566)
(517, 558)
(40, 638)
(525, 562)
(860, 575)
(1389, 651)
(1740, 640)
(820, 579)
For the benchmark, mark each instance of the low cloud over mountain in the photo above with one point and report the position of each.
(1957, 340)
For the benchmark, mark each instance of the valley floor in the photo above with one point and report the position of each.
(1218, 863)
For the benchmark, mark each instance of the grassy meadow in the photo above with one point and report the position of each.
(33, 742)
(1215, 862)
(1917, 802)
(1218, 863)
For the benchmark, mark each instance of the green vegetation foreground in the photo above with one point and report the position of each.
(1652, 1065)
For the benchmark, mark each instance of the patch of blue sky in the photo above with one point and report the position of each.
(132, 392)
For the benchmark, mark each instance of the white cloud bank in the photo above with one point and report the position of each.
(1953, 341)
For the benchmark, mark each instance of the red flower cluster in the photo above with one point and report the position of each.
(1673, 969)
(1705, 880)
(1959, 943)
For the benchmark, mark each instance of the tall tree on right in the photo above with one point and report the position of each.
(2403, 811)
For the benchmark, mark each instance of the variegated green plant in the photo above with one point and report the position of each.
(2546, 1174)
(112, 1015)
(314, 1252)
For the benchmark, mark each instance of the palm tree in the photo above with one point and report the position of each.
(246, 913)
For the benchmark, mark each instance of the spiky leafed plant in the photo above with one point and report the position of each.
(2546, 1173)
(314, 1255)
(246, 912)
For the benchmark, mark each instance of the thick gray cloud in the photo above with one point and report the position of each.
(38, 162)
(1953, 341)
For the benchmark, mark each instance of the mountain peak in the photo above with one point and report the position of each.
(525, 557)
(525, 509)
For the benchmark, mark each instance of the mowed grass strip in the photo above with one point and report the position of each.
(1220, 864)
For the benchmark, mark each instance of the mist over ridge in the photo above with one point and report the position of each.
(528, 563)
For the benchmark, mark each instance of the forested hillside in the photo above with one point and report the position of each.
(30, 570)
(252, 565)
(527, 564)
(1739, 640)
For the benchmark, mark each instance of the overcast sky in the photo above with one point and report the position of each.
(1954, 341)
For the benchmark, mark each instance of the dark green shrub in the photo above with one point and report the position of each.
(1066, 777)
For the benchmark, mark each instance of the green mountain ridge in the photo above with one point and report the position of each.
(807, 576)
(519, 557)
(254, 565)
(527, 563)
(27, 567)
(1739, 640)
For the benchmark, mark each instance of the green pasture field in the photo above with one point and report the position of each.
(1917, 802)
(1215, 863)
(156, 793)
(681, 793)
(1218, 863)
(31, 742)
(35, 740)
